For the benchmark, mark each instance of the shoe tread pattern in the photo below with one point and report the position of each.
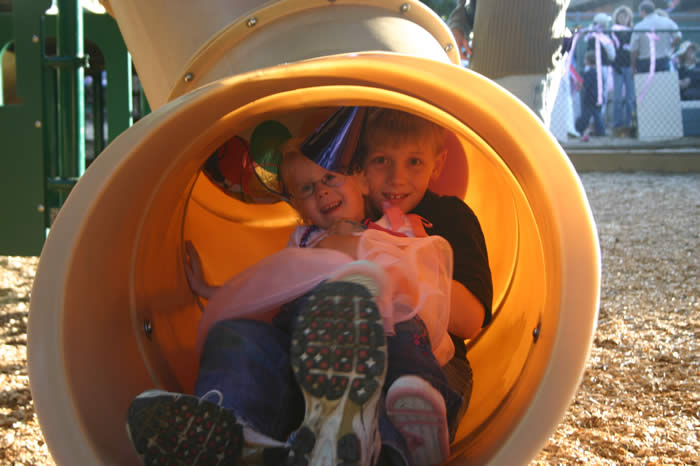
(338, 353)
(182, 431)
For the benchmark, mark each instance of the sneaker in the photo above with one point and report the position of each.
(178, 429)
(417, 410)
(363, 272)
(338, 356)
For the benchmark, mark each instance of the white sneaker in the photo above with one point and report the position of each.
(338, 355)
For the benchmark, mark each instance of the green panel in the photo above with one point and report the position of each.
(21, 184)
(5, 29)
(21, 135)
(103, 31)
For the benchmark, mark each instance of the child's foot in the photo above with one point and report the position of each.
(417, 410)
(178, 429)
(338, 356)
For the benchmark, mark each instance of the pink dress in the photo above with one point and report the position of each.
(418, 279)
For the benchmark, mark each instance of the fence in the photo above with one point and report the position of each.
(594, 106)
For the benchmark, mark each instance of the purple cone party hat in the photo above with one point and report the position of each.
(333, 144)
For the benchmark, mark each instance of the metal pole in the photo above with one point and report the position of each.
(98, 112)
(71, 99)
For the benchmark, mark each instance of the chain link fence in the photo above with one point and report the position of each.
(602, 104)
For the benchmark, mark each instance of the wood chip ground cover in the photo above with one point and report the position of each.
(639, 400)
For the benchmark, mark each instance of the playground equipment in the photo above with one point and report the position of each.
(111, 311)
(44, 150)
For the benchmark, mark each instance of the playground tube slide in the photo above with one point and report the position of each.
(111, 311)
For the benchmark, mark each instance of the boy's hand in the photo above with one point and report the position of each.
(195, 274)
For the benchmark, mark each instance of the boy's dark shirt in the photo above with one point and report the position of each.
(455, 221)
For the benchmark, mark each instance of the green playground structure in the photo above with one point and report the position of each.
(59, 71)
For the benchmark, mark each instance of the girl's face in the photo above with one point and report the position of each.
(320, 196)
(690, 56)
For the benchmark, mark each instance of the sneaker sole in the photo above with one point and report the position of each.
(418, 411)
(174, 429)
(338, 356)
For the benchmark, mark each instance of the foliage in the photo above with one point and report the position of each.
(441, 7)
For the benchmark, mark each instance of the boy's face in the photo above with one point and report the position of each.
(400, 173)
(325, 204)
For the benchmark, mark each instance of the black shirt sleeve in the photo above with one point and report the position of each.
(455, 221)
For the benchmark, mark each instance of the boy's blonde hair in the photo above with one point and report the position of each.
(388, 127)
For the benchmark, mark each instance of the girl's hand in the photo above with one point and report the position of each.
(346, 227)
(195, 273)
(341, 242)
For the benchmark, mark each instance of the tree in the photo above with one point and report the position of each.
(518, 44)
(441, 7)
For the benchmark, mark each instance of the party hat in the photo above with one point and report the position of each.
(266, 153)
(333, 144)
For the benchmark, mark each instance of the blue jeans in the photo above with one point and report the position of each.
(248, 361)
(589, 111)
(623, 105)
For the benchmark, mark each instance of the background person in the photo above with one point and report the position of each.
(623, 81)
(688, 72)
(461, 23)
(590, 106)
(663, 31)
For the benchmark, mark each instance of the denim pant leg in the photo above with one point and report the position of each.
(619, 84)
(248, 361)
(630, 96)
(598, 125)
(584, 119)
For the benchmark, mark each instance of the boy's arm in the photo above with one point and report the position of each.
(472, 288)
(466, 312)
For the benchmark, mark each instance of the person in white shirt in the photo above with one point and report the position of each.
(654, 35)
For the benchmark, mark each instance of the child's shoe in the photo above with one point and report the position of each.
(417, 411)
(338, 355)
(178, 429)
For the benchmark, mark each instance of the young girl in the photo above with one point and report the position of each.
(341, 380)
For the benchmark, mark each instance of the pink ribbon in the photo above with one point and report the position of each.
(599, 39)
(652, 64)
(572, 49)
